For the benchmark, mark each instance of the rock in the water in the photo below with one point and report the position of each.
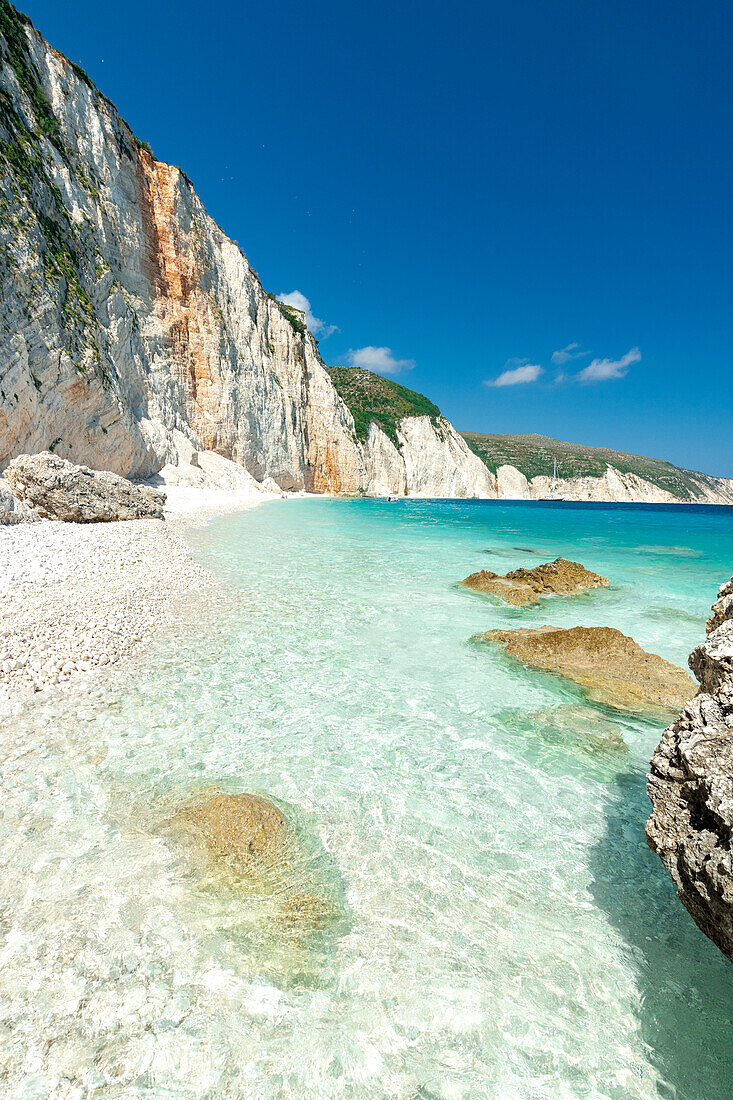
(57, 489)
(13, 510)
(577, 727)
(691, 785)
(612, 668)
(522, 586)
(242, 825)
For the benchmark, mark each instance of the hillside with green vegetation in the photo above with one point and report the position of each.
(535, 455)
(370, 397)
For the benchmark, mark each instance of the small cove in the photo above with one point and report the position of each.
(501, 928)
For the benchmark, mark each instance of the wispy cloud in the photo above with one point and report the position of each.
(523, 371)
(602, 369)
(379, 360)
(315, 324)
(564, 355)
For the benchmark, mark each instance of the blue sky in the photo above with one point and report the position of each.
(463, 191)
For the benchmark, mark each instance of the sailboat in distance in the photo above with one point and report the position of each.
(553, 490)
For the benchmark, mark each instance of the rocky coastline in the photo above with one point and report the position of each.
(691, 785)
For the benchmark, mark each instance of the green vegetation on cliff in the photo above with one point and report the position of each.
(535, 456)
(12, 28)
(34, 215)
(294, 316)
(369, 397)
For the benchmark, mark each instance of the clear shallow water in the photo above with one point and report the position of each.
(498, 927)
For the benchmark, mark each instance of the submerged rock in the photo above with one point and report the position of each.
(579, 728)
(522, 586)
(242, 825)
(57, 489)
(268, 874)
(691, 785)
(612, 668)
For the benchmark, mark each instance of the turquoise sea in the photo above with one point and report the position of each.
(491, 922)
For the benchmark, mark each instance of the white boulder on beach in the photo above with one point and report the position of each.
(57, 489)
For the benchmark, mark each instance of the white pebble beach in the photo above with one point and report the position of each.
(78, 597)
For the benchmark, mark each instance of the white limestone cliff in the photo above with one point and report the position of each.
(431, 461)
(134, 332)
(613, 487)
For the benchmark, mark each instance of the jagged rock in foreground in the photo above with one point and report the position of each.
(691, 785)
(522, 586)
(242, 825)
(612, 668)
(57, 489)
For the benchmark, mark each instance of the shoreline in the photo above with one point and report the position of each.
(78, 598)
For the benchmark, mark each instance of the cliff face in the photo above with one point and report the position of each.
(526, 466)
(132, 330)
(433, 461)
(614, 485)
(691, 785)
(128, 313)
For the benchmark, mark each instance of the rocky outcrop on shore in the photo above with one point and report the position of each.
(525, 586)
(56, 489)
(691, 785)
(611, 667)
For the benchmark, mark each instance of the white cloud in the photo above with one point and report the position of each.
(379, 360)
(572, 351)
(523, 372)
(299, 301)
(602, 369)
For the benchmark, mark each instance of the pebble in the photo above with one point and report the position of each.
(77, 597)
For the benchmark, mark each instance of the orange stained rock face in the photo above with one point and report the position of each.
(326, 474)
(185, 309)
